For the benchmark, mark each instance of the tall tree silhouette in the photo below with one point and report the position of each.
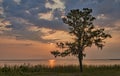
(85, 34)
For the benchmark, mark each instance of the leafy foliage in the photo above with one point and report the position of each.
(81, 26)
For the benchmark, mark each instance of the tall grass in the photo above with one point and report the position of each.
(39, 68)
(27, 70)
(68, 69)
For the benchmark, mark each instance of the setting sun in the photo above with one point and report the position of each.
(51, 63)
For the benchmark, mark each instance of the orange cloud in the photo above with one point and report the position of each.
(46, 16)
(3, 25)
(60, 35)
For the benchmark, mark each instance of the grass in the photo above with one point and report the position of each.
(70, 70)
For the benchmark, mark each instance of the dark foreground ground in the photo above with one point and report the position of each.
(40, 70)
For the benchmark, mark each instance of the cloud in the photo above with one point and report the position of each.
(20, 30)
(51, 35)
(41, 29)
(1, 1)
(1, 11)
(4, 26)
(24, 30)
(57, 36)
(113, 27)
(17, 1)
(117, 0)
(116, 26)
(35, 12)
(55, 4)
(46, 16)
(46, 31)
(102, 16)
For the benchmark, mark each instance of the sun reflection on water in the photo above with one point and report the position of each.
(51, 63)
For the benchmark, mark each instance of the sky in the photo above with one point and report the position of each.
(29, 29)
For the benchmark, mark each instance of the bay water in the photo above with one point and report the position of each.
(54, 62)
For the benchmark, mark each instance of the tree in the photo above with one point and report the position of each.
(85, 35)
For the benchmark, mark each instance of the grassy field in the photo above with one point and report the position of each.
(70, 70)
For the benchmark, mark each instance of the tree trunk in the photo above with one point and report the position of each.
(80, 62)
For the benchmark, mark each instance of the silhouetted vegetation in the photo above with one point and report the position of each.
(70, 70)
(84, 32)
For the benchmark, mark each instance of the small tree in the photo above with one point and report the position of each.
(81, 27)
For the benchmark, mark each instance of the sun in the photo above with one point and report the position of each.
(51, 63)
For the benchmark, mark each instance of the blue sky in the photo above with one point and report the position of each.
(28, 25)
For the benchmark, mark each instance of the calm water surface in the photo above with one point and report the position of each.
(59, 62)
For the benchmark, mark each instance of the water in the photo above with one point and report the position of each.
(60, 62)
